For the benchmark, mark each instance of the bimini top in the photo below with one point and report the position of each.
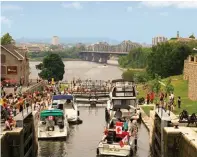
(60, 97)
(120, 80)
(51, 112)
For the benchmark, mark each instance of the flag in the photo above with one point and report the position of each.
(119, 127)
(124, 141)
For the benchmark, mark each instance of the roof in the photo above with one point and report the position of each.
(59, 97)
(13, 51)
(52, 112)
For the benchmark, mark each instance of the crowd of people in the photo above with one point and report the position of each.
(13, 103)
(164, 101)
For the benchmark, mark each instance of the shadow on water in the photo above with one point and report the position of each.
(84, 138)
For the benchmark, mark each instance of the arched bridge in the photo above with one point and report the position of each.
(99, 56)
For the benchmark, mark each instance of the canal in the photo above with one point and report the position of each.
(83, 139)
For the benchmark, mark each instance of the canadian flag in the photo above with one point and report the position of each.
(124, 141)
(119, 127)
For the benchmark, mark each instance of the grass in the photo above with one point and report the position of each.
(180, 89)
(147, 109)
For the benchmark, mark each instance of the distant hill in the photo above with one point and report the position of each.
(69, 40)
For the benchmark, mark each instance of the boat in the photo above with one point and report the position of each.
(68, 105)
(123, 97)
(52, 124)
(118, 142)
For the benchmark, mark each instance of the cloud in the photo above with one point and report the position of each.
(162, 4)
(11, 8)
(163, 13)
(129, 9)
(74, 5)
(6, 21)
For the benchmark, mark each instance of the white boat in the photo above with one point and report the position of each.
(68, 105)
(123, 97)
(118, 146)
(52, 125)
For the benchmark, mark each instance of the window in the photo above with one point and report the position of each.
(3, 58)
(3, 69)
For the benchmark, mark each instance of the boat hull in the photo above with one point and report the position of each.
(115, 150)
(56, 134)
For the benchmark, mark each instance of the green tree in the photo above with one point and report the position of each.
(52, 67)
(167, 59)
(169, 87)
(128, 75)
(6, 39)
(192, 36)
(137, 58)
(155, 84)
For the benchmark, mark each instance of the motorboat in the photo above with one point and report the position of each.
(118, 142)
(68, 105)
(52, 124)
(123, 97)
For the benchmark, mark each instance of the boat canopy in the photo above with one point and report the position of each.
(60, 97)
(52, 112)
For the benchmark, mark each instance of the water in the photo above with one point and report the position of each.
(84, 70)
(83, 139)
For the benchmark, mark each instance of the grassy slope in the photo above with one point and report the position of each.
(181, 89)
(147, 109)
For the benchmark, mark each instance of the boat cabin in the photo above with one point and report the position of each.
(63, 102)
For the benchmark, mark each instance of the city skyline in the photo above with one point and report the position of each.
(135, 21)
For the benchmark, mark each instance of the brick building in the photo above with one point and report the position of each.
(14, 64)
(190, 74)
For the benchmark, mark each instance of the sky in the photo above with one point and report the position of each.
(135, 21)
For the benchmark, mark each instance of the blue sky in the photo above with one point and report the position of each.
(135, 21)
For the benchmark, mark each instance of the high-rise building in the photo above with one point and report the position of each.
(158, 39)
(55, 40)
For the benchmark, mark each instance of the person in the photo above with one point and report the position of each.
(118, 114)
(179, 102)
(125, 125)
(148, 98)
(7, 125)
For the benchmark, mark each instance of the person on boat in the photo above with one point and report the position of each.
(118, 114)
(125, 124)
(50, 122)
(68, 101)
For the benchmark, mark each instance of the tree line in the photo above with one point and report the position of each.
(165, 59)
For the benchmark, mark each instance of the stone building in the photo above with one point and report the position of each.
(190, 74)
(14, 64)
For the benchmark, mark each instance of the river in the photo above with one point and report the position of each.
(83, 139)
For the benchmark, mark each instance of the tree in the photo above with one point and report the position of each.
(169, 87)
(155, 84)
(167, 59)
(6, 39)
(192, 36)
(52, 67)
(128, 75)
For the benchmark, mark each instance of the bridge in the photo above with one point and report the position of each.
(99, 56)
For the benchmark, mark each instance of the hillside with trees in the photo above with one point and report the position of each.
(165, 59)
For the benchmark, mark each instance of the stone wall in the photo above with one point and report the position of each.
(190, 74)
